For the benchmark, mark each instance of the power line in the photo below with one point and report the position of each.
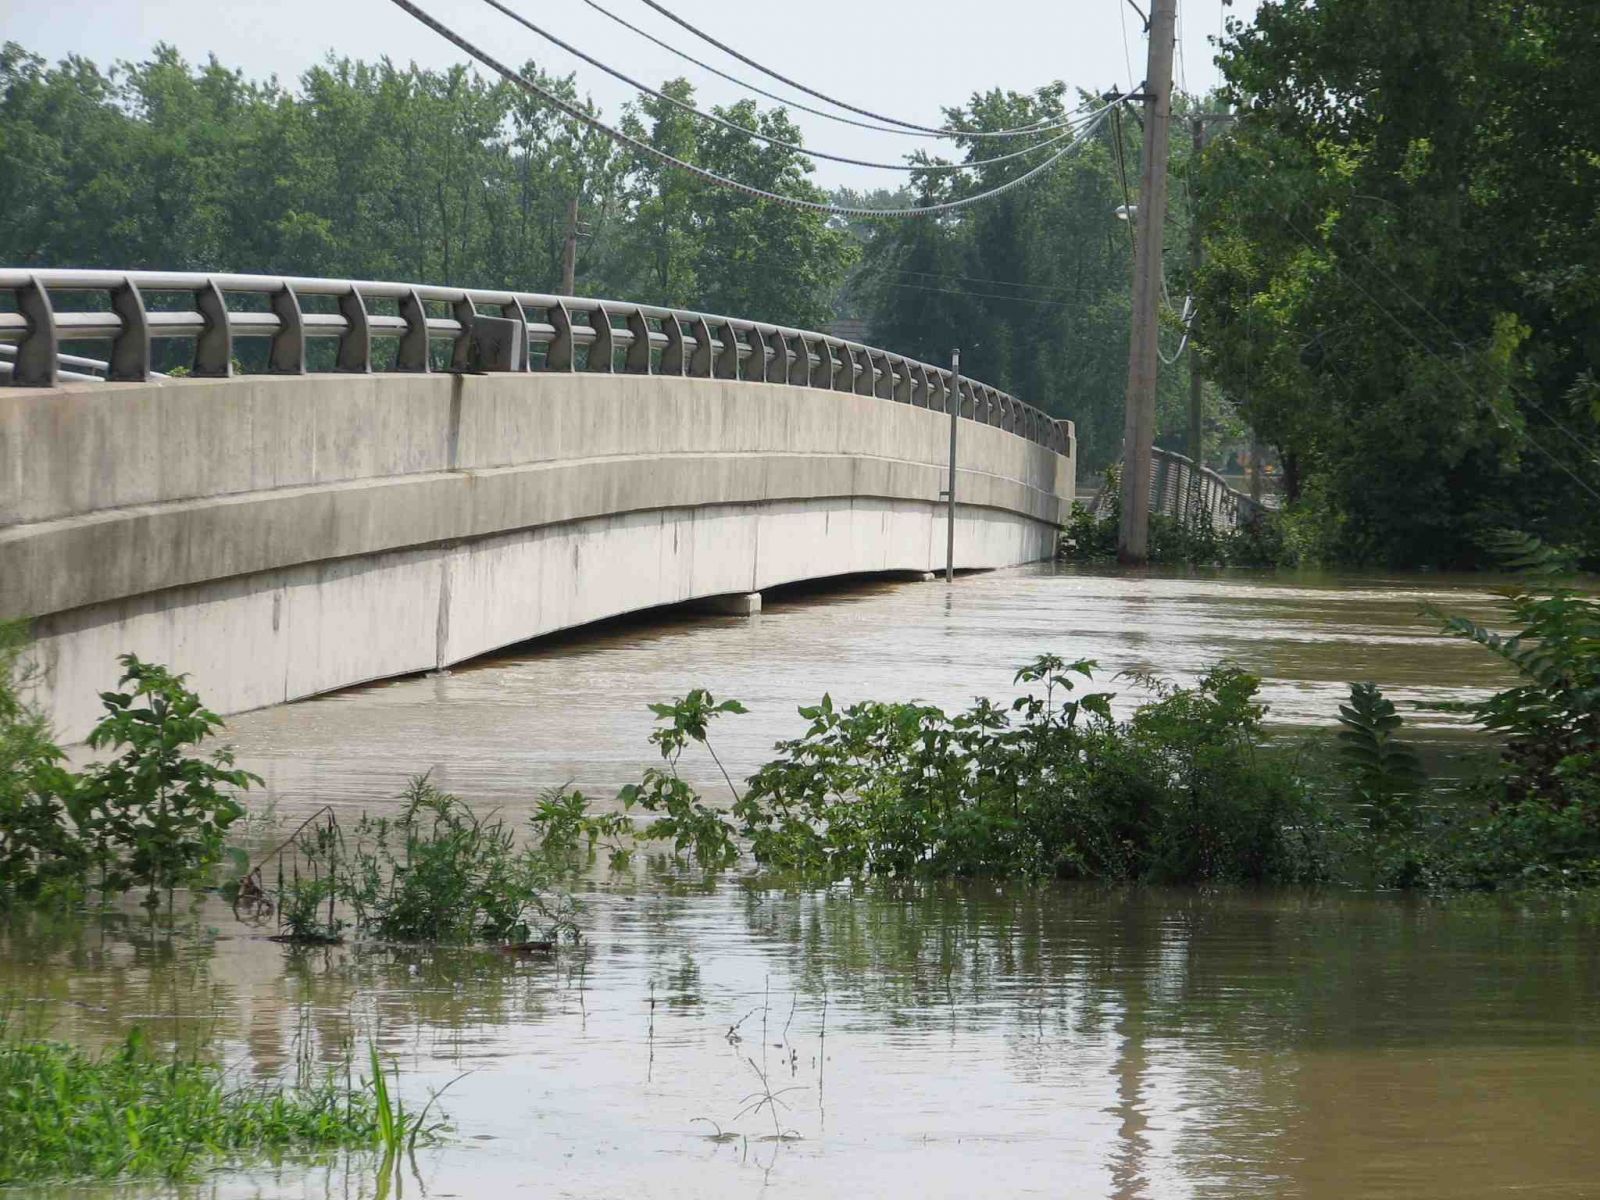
(1022, 131)
(645, 148)
(735, 127)
(757, 89)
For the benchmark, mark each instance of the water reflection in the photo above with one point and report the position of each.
(967, 1040)
(939, 1041)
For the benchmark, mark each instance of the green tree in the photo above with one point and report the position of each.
(1402, 286)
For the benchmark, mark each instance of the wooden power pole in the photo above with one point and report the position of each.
(1139, 424)
(1196, 447)
(569, 251)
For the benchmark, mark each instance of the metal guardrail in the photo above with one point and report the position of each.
(1178, 490)
(486, 329)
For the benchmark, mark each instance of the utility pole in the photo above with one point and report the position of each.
(1139, 425)
(569, 251)
(953, 403)
(1197, 125)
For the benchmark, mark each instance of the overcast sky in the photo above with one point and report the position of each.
(903, 58)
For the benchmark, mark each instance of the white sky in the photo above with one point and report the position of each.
(904, 58)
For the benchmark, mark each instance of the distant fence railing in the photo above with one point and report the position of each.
(1179, 491)
(466, 329)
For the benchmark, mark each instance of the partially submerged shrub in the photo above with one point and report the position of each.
(40, 853)
(436, 872)
(1182, 791)
(68, 1114)
(679, 814)
(154, 817)
(439, 873)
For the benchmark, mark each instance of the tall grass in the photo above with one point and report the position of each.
(67, 1114)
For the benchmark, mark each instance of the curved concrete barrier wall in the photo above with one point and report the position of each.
(279, 537)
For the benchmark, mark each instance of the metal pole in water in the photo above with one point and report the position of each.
(954, 404)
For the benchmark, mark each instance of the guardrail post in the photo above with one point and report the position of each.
(863, 365)
(800, 364)
(819, 374)
(918, 385)
(513, 309)
(466, 313)
(727, 361)
(904, 385)
(700, 357)
(638, 357)
(844, 368)
(355, 343)
(672, 362)
(882, 376)
(560, 354)
(213, 348)
(286, 354)
(36, 364)
(412, 355)
(755, 362)
(778, 364)
(129, 361)
(602, 351)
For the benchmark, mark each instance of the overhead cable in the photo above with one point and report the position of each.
(735, 127)
(756, 88)
(1021, 131)
(582, 115)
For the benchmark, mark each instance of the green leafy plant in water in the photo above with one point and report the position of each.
(1055, 785)
(563, 824)
(1543, 804)
(1550, 722)
(682, 817)
(1385, 772)
(1386, 782)
(41, 854)
(155, 816)
(440, 873)
(69, 1114)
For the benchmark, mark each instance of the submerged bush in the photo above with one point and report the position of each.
(40, 853)
(1183, 791)
(154, 817)
(436, 872)
(68, 1114)
(439, 873)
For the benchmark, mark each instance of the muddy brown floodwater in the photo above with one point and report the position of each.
(977, 1040)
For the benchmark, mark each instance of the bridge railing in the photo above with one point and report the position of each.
(1180, 491)
(486, 330)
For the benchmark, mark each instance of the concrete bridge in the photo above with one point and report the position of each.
(419, 475)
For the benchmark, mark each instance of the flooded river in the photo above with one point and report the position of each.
(935, 1041)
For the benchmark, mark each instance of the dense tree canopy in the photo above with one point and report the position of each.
(377, 171)
(1403, 279)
